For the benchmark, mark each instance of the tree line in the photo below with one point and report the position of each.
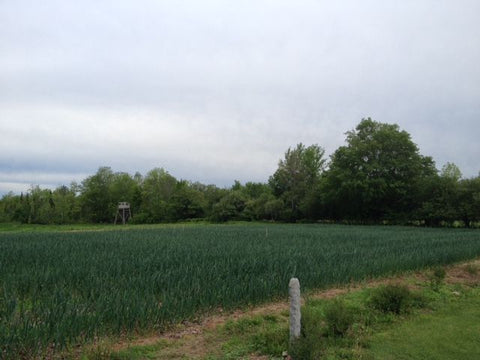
(378, 176)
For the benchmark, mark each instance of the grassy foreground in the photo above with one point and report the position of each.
(443, 323)
(61, 289)
(451, 332)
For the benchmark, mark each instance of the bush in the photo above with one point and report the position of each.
(338, 318)
(437, 277)
(141, 218)
(310, 343)
(271, 340)
(392, 298)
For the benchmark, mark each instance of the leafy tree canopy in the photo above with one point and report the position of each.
(451, 171)
(377, 173)
(296, 176)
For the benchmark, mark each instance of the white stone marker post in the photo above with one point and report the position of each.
(295, 315)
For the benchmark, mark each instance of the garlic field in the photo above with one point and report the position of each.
(60, 289)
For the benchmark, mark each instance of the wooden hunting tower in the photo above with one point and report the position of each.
(123, 212)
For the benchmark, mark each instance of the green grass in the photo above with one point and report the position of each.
(66, 288)
(18, 227)
(37, 228)
(261, 334)
(443, 325)
(440, 322)
(134, 352)
(235, 339)
(452, 332)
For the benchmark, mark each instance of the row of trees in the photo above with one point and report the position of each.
(378, 176)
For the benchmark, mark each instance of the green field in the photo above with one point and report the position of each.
(65, 288)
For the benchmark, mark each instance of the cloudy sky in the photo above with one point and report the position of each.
(215, 91)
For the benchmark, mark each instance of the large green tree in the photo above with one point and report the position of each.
(157, 189)
(96, 198)
(377, 175)
(186, 202)
(124, 187)
(297, 177)
(13, 208)
(441, 196)
(230, 206)
(66, 205)
(212, 195)
(469, 201)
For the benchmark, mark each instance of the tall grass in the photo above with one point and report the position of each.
(59, 289)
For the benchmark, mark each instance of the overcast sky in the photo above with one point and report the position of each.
(215, 91)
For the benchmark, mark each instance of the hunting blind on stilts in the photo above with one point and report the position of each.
(123, 212)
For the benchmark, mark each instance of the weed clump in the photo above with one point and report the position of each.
(339, 318)
(309, 344)
(322, 325)
(392, 298)
(437, 277)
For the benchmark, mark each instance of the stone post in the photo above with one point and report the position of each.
(295, 315)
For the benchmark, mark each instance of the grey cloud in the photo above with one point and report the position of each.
(217, 91)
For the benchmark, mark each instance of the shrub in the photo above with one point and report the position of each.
(391, 298)
(141, 218)
(437, 277)
(338, 318)
(310, 343)
(270, 340)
